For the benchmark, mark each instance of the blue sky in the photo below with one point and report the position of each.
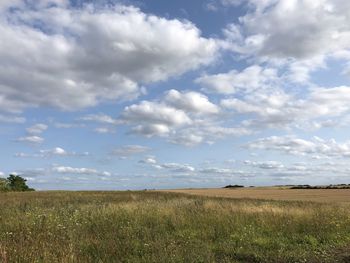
(168, 94)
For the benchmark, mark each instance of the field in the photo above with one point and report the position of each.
(149, 226)
(274, 193)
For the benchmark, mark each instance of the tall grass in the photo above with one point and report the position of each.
(164, 227)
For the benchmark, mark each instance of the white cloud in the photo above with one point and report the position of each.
(57, 151)
(31, 139)
(318, 27)
(61, 125)
(215, 5)
(216, 170)
(222, 132)
(330, 101)
(154, 118)
(100, 118)
(206, 131)
(172, 167)
(157, 113)
(37, 128)
(211, 6)
(149, 160)
(191, 102)
(186, 118)
(128, 150)
(231, 2)
(27, 155)
(176, 167)
(270, 29)
(265, 164)
(85, 171)
(150, 130)
(249, 79)
(12, 119)
(273, 108)
(187, 138)
(80, 57)
(104, 130)
(5, 4)
(292, 145)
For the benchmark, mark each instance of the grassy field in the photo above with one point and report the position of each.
(168, 227)
(274, 193)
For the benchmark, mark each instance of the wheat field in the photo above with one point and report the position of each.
(274, 193)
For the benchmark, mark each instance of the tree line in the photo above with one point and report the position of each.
(14, 183)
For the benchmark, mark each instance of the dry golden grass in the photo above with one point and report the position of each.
(274, 193)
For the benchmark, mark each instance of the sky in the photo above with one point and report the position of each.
(115, 95)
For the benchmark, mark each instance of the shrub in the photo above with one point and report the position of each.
(17, 183)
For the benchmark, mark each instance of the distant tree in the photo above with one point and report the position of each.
(17, 183)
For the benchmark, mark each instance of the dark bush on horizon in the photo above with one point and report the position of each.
(234, 186)
(337, 186)
(14, 183)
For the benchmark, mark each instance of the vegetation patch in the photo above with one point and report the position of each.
(14, 183)
(152, 226)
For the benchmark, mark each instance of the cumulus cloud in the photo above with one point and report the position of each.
(100, 118)
(215, 5)
(191, 102)
(149, 160)
(31, 139)
(128, 150)
(186, 118)
(269, 31)
(251, 78)
(176, 167)
(57, 151)
(207, 132)
(150, 130)
(104, 130)
(265, 164)
(12, 119)
(37, 128)
(79, 171)
(274, 108)
(270, 109)
(172, 167)
(154, 118)
(27, 155)
(216, 170)
(187, 138)
(297, 146)
(62, 125)
(80, 57)
(155, 112)
(319, 27)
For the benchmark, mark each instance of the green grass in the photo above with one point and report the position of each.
(164, 227)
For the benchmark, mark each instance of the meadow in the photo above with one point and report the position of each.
(150, 226)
